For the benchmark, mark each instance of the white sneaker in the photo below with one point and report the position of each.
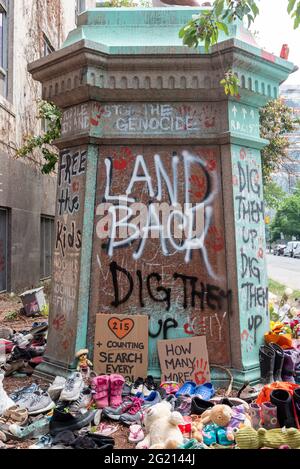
(73, 388)
(56, 387)
(5, 401)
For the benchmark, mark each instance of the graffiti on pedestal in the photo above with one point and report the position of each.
(250, 235)
(159, 244)
(144, 119)
(67, 249)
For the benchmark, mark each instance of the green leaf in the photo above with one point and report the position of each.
(255, 9)
(291, 6)
(219, 7)
(223, 27)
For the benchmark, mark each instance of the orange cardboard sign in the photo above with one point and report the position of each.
(121, 345)
(184, 360)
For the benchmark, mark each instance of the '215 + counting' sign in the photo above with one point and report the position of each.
(121, 345)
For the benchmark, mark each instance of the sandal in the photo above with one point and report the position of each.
(136, 434)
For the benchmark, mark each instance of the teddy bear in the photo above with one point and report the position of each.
(220, 422)
(197, 427)
(248, 438)
(161, 426)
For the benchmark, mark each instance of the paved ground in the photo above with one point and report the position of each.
(284, 270)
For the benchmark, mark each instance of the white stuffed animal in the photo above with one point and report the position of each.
(161, 426)
(5, 402)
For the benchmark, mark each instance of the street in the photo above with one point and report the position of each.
(284, 270)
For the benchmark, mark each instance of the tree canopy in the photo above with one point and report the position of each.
(287, 219)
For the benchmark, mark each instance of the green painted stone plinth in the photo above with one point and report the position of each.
(145, 118)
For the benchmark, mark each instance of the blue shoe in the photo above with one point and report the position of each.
(205, 391)
(187, 389)
(152, 399)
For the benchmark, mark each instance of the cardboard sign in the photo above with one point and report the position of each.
(184, 359)
(121, 345)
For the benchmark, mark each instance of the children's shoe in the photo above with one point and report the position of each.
(171, 387)
(199, 406)
(56, 387)
(115, 413)
(134, 414)
(100, 386)
(183, 405)
(72, 388)
(38, 428)
(116, 387)
(44, 442)
(137, 387)
(149, 386)
(269, 416)
(205, 391)
(152, 399)
(255, 416)
(187, 389)
(136, 434)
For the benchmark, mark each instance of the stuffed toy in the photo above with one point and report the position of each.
(248, 438)
(161, 426)
(224, 416)
(5, 402)
(197, 427)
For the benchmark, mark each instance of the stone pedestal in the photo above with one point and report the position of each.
(148, 133)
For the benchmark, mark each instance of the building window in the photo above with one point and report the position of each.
(80, 6)
(3, 248)
(3, 47)
(48, 48)
(47, 238)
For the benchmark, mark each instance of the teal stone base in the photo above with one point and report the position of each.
(48, 371)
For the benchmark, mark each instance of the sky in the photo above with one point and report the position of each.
(275, 27)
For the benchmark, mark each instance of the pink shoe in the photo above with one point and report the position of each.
(136, 434)
(116, 388)
(100, 386)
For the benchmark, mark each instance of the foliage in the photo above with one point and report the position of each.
(52, 116)
(206, 25)
(230, 83)
(273, 195)
(278, 289)
(287, 219)
(276, 121)
(45, 311)
(11, 316)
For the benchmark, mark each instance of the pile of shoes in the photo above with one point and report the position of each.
(23, 350)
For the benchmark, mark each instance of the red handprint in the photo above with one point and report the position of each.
(59, 321)
(200, 376)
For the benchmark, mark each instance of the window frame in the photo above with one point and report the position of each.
(43, 264)
(4, 48)
(48, 48)
(6, 212)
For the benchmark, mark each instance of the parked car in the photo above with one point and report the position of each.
(279, 249)
(297, 251)
(290, 249)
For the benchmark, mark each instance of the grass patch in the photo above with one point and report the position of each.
(278, 289)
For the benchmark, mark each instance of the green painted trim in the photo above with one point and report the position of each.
(87, 246)
(244, 141)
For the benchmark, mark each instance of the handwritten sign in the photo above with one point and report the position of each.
(184, 359)
(121, 345)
